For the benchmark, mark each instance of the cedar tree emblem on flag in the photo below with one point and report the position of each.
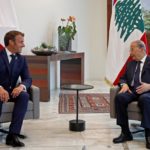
(128, 17)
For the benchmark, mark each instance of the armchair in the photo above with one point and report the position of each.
(32, 110)
(134, 112)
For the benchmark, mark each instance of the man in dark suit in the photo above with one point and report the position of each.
(135, 84)
(12, 66)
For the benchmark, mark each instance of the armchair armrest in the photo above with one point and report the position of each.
(35, 98)
(113, 92)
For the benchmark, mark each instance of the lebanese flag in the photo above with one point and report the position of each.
(126, 26)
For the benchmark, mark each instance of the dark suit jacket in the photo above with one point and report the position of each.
(128, 76)
(7, 79)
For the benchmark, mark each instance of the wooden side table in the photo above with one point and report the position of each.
(71, 70)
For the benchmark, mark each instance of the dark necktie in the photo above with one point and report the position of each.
(137, 75)
(11, 64)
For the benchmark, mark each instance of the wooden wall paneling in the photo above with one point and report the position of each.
(71, 71)
(38, 67)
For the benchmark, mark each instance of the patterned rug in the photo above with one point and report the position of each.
(88, 103)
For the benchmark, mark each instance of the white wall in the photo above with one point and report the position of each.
(39, 20)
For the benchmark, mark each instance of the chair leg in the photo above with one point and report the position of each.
(7, 132)
(134, 132)
(1, 133)
(138, 127)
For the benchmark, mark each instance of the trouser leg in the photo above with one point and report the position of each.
(144, 104)
(20, 108)
(1, 104)
(121, 103)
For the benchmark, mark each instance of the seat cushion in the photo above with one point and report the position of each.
(8, 107)
(133, 107)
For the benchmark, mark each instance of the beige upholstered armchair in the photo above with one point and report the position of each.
(133, 109)
(32, 110)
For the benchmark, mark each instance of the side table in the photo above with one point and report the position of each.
(76, 125)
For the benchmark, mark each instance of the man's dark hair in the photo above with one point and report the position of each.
(11, 35)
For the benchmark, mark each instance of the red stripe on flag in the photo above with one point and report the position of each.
(114, 2)
(144, 39)
(121, 72)
(1, 47)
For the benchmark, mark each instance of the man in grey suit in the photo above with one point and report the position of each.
(135, 84)
(12, 66)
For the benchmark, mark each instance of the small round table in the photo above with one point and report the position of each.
(76, 125)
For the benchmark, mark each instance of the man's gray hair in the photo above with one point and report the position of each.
(141, 44)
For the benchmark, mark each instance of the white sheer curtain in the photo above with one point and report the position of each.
(8, 18)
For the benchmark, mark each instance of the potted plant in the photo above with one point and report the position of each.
(66, 33)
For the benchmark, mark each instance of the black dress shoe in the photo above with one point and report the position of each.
(21, 136)
(13, 140)
(147, 137)
(123, 138)
(148, 142)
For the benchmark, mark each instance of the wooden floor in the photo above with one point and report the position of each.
(51, 131)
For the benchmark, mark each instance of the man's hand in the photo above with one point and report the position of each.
(16, 91)
(144, 87)
(125, 88)
(4, 96)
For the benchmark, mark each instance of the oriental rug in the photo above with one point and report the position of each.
(88, 103)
